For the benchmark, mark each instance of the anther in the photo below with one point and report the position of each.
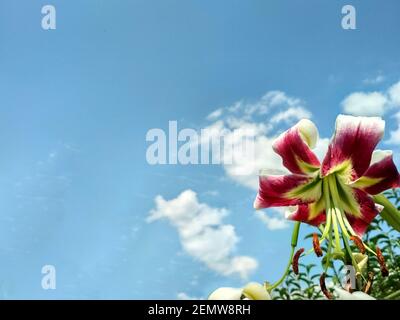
(316, 245)
(358, 242)
(381, 260)
(324, 290)
(369, 283)
(295, 261)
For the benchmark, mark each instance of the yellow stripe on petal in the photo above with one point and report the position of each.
(343, 170)
(316, 208)
(308, 192)
(306, 167)
(287, 190)
(381, 175)
(345, 197)
(365, 182)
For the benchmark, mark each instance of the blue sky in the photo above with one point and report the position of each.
(76, 103)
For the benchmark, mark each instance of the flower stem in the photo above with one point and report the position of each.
(295, 237)
(295, 234)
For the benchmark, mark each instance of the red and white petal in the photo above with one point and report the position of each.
(313, 214)
(368, 210)
(287, 190)
(354, 141)
(381, 175)
(294, 146)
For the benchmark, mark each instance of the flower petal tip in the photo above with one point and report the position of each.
(308, 131)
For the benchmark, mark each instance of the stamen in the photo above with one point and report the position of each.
(381, 260)
(369, 283)
(358, 242)
(316, 245)
(324, 290)
(295, 262)
(348, 226)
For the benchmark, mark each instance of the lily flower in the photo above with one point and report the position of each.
(338, 189)
(336, 194)
(251, 291)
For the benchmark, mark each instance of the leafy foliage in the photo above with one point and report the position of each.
(380, 234)
(305, 285)
(300, 287)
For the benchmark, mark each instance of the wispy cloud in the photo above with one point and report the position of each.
(271, 101)
(272, 221)
(215, 114)
(291, 114)
(374, 80)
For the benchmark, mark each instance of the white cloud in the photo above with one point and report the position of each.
(375, 103)
(395, 134)
(374, 80)
(185, 296)
(394, 94)
(215, 114)
(321, 148)
(365, 104)
(291, 114)
(212, 193)
(245, 170)
(269, 101)
(273, 222)
(241, 164)
(203, 234)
